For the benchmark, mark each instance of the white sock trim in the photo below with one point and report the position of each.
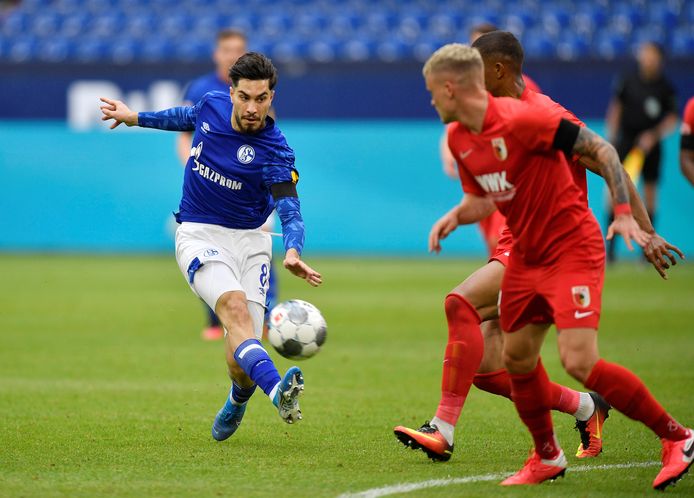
(447, 430)
(274, 391)
(248, 348)
(586, 407)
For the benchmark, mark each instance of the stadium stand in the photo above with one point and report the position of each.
(333, 30)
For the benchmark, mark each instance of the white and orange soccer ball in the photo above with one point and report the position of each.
(297, 330)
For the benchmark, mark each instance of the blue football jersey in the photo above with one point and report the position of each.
(229, 174)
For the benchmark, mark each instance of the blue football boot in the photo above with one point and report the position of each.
(227, 420)
(287, 395)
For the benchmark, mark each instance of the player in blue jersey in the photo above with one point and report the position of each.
(231, 44)
(240, 168)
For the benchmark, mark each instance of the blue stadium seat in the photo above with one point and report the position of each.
(610, 45)
(141, 25)
(392, 50)
(572, 46)
(89, 49)
(22, 49)
(683, 43)
(537, 44)
(15, 24)
(125, 50)
(189, 50)
(55, 50)
(357, 50)
(159, 49)
(288, 51)
(664, 14)
(46, 24)
(325, 50)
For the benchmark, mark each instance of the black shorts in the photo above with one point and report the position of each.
(651, 164)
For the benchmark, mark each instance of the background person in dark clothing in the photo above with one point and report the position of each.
(643, 110)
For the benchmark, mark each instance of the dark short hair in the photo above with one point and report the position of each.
(231, 33)
(253, 66)
(502, 45)
(484, 28)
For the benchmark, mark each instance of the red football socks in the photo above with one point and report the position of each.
(564, 399)
(628, 394)
(532, 396)
(498, 382)
(462, 358)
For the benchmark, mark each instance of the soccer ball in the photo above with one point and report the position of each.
(297, 329)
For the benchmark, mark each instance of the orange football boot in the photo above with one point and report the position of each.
(428, 439)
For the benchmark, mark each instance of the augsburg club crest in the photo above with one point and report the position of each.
(581, 295)
(499, 146)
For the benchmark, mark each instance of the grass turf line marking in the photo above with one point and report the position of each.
(435, 483)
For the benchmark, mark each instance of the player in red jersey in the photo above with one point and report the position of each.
(491, 226)
(687, 142)
(555, 273)
(502, 55)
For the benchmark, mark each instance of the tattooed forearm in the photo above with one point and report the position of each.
(591, 145)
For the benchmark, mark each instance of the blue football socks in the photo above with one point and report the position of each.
(254, 360)
(239, 395)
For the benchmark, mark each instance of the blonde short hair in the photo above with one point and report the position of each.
(454, 57)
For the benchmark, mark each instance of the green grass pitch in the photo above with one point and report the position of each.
(107, 390)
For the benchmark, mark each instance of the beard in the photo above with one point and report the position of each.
(248, 126)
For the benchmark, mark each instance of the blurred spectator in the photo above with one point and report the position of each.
(641, 113)
(687, 142)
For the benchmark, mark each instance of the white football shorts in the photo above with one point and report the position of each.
(246, 253)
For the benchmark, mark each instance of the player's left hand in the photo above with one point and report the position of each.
(293, 263)
(657, 251)
(626, 226)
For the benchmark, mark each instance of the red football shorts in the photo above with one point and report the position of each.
(503, 247)
(567, 292)
(491, 230)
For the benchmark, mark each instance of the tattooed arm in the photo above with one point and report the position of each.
(575, 140)
(591, 145)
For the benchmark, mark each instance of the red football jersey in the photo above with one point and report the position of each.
(512, 161)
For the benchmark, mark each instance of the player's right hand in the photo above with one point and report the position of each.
(118, 111)
(293, 263)
(441, 229)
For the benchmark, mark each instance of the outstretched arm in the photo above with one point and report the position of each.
(471, 209)
(288, 210)
(174, 119)
(657, 250)
(583, 141)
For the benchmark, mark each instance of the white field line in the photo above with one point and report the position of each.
(436, 483)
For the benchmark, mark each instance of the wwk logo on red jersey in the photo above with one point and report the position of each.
(494, 182)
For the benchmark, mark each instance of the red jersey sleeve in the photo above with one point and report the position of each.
(536, 126)
(470, 185)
